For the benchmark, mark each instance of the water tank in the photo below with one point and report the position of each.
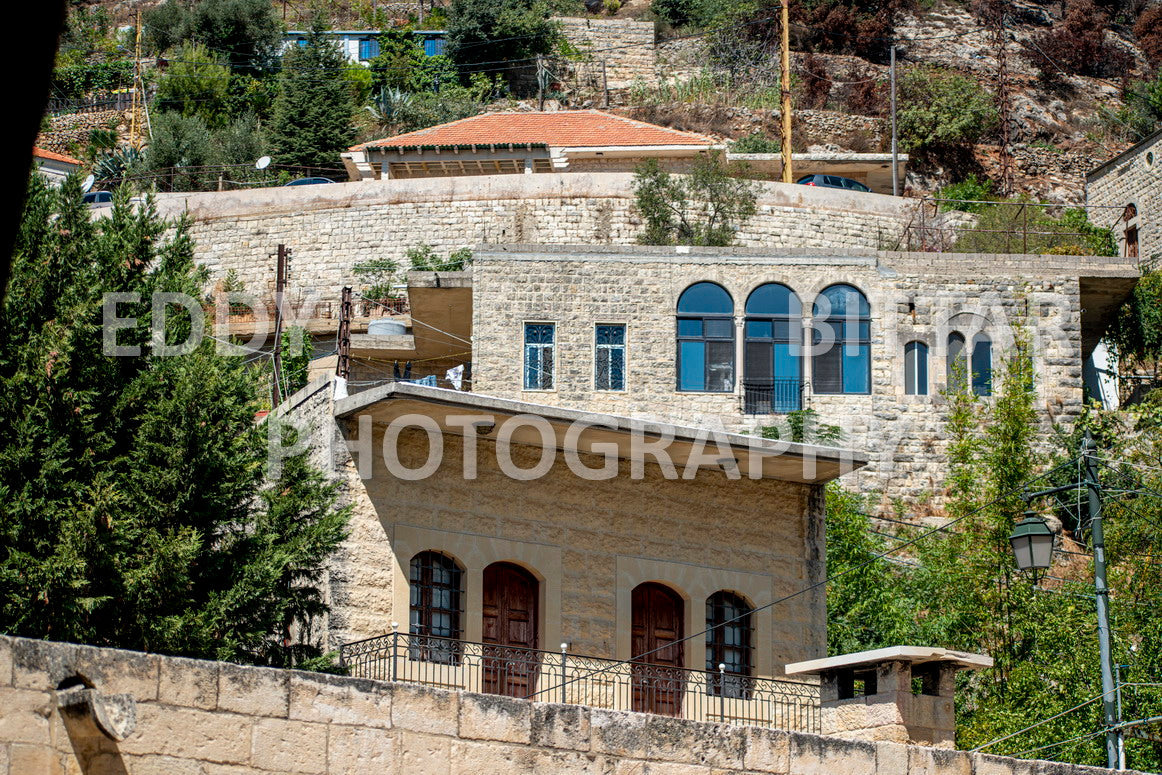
(386, 328)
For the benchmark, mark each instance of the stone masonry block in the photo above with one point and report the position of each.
(767, 750)
(188, 682)
(24, 716)
(337, 700)
(421, 709)
(817, 755)
(986, 764)
(115, 672)
(5, 661)
(358, 751)
(491, 717)
(160, 765)
(560, 726)
(290, 746)
(37, 759)
(221, 738)
(678, 740)
(41, 665)
(429, 754)
(255, 691)
(616, 733)
(891, 758)
(471, 758)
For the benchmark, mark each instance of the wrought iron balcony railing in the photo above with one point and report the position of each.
(549, 676)
(772, 396)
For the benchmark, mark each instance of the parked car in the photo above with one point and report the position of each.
(309, 181)
(833, 181)
(98, 198)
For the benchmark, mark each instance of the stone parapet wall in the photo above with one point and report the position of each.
(331, 228)
(221, 719)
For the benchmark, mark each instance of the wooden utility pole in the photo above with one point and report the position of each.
(540, 83)
(136, 80)
(895, 154)
(279, 293)
(785, 83)
(343, 364)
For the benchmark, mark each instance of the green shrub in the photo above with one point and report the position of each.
(1006, 227)
(83, 77)
(971, 188)
(756, 142)
(487, 31)
(379, 273)
(196, 84)
(942, 108)
(705, 207)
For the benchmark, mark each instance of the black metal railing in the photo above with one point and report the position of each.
(558, 676)
(772, 396)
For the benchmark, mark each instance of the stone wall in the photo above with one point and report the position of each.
(210, 718)
(913, 297)
(70, 133)
(331, 228)
(1134, 177)
(625, 47)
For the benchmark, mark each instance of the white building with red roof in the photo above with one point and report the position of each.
(525, 143)
(54, 166)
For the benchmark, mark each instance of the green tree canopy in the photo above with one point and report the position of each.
(704, 207)
(138, 507)
(245, 32)
(487, 31)
(313, 110)
(942, 108)
(196, 84)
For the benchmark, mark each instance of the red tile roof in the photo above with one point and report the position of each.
(567, 128)
(53, 156)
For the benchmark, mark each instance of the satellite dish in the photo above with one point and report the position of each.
(88, 184)
(262, 163)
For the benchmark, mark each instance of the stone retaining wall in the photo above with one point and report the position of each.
(626, 47)
(210, 718)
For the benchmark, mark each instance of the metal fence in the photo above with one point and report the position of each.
(772, 396)
(549, 676)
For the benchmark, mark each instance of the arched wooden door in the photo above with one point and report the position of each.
(510, 630)
(658, 678)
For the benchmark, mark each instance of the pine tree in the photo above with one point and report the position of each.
(312, 113)
(135, 506)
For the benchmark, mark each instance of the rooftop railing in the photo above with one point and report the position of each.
(549, 676)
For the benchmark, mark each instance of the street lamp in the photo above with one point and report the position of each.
(1032, 541)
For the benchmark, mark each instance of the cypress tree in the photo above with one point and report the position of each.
(136, 504)
(312, 112)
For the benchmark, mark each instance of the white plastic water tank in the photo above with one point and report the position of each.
(386, 328)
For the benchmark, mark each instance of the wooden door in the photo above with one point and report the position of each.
(511, 663)
(659, 655)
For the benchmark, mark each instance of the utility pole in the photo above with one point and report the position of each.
(279, 293)
(343, 365)
(996, 19)
(785, 83)
(136, 80)
(540, 83)
(895, 154)
(1109, 706)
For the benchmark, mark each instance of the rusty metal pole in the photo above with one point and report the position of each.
(343, 364)
(785, 83)
(279, 289)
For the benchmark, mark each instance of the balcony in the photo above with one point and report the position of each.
(557, 676)
(772, 396)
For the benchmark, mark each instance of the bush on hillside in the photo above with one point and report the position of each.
(1148, 31)
(756, 142)
(245, 32)
(1078, 45)
(940, 108)
(973, 189)
(197, 83)
(514, 31)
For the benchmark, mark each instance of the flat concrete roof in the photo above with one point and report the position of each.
(770, 459)
(916, 655)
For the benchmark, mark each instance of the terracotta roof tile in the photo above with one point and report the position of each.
(567, 129)
(54, 156)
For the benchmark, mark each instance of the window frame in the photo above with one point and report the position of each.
(372, 48)
(541, 347)
(981, 388)
(832, 319)
(793, 337)
(424, 645)
(912, 387)
(681, 338)
(722, 606)
(624, 346)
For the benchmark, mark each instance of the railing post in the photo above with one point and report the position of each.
(564, 673)
(722, 692)
(394, 647)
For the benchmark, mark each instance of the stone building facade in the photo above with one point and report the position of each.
(1125, 195)
(917, 305)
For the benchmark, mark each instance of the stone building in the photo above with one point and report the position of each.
(491, 535)
(1125, 195)
(741, 338)
(520, 143)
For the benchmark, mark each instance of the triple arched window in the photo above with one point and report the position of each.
(773, 338)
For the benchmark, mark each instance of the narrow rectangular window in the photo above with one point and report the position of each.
(539, 351)
(609, 357)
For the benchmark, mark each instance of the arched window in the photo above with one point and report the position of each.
(436, 606)
(842, 330)
(773, 375)
(982, 365)
(957, 365)
(728, 642)
(706, 339)
(916, 369)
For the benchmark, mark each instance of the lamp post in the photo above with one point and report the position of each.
(1032, 542)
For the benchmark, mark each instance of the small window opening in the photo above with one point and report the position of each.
(926, 680)
(856, 683)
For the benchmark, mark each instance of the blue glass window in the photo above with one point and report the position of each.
(916, 369)
(842, 323)
(706, 339)
(609, 357)
(957, 364)
(773, 375)
(539, 352)
(368, 49)
(982, 365)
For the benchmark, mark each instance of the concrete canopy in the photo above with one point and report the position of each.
(915, 655)
(770, 459)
